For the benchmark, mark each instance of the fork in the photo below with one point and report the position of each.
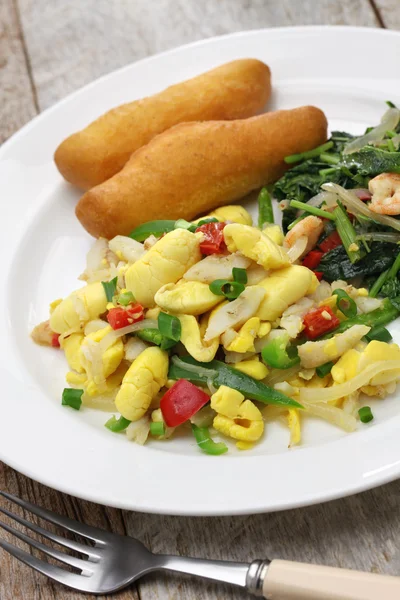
(113, 561)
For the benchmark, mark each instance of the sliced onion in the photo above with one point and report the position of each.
(328, 197)
(349, 387)
(114, 335)
(204, 417)
(298, 248)
(201, 371)
(278, 375)
(128, 248)
(232, 357)
(357, 207)
(94, 325)
(380, 236)
(332, 414)
(396, 141)
(210, 386)
(388, 122)
(138, 431)
(134, 347)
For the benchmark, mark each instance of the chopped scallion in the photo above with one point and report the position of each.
(182, 224)
(72, 397)
(390, 146)
(110, 287)
(157, 428)
(330, 159)
(376, 288)
(265, 211)
(347, 233)
(365, 414)
(239, 275)
(230, 289)
(345, 304)
(117, 425)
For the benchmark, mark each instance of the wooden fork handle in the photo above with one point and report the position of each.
(296, 581)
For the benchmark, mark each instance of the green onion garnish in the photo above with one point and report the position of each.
(330, 159)
(365, 414)
(117, 425)
(230, 289)
(110, 287)
(205, 221)
(390, 146)
(293, 158)
(379, 333)
(206, 443)
(169, 326)
(347, 233)
(265, 211)
(239, 275)
(345, 304)
(324, 369)
(390, 133)
(72, 398)
(313, 210)
(157, 428)
(125, 298)
(154, 336)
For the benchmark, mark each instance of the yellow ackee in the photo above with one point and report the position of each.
(346, 367)
(143, 380)
(192, 338)
(110, 359)
(165, 262)
(78, 308)
(252, 367)
(285, 287)
(187, 297)
(274, 232)
(71, 346)
(234, 213)
(244, 340)
(237, 418)
(380, 351)
(255, 244)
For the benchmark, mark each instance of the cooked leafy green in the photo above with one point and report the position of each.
(335, 264)
(371, 161)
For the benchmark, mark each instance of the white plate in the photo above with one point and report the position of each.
(348, 72)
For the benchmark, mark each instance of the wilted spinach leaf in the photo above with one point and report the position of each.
(371, 161)
(336, 264)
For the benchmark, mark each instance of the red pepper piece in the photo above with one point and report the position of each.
(319, 275)
(54, 340)
(181, 402)
(312, 259)
(213, 242)
(122, 317)
(320, 321)
(332, 241)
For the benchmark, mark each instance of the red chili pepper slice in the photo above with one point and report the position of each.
(54, 340)
(319, 275)
(320, 321)
(312, 259)
(181, 402)
(331, 242)
(213, 242)
(120, 316)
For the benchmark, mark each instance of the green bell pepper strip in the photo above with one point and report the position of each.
(155, 336)
(169, 326)
(389, 311)
(156, 228)
(117, 425)
(206, 443)
(246, 385)
(110, 287)
(275, 354)
(265, 211)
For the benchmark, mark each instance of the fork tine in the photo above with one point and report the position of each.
(71, 544)
(78, 563)
(93, 533)
(73, 580)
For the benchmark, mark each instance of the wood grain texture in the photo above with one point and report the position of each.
(389, 12)
(17, 105)
(72, 43)
(69, 44)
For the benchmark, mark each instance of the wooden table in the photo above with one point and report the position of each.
(49, 49)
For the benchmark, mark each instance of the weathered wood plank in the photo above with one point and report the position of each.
(72, 43)
(19, 582)
(17, 103)
(389, 12)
